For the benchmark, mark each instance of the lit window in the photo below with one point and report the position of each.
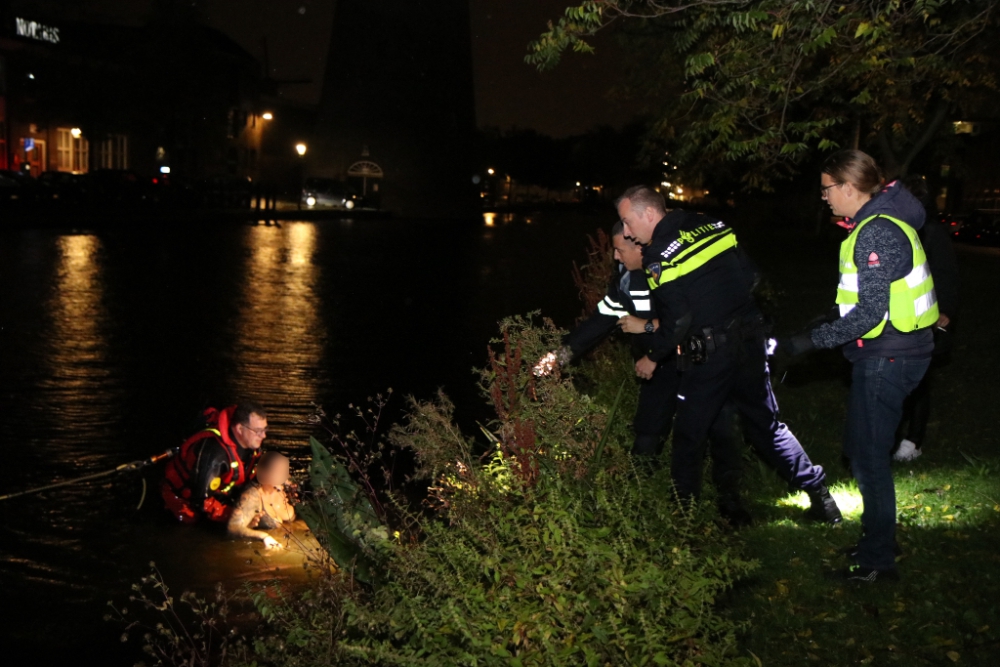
(966, 127)
(72, 152)
(112, 153)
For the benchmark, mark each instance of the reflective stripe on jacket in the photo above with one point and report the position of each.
(694, 248)
(912, 301)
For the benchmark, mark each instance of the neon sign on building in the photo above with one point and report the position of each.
(35, 30)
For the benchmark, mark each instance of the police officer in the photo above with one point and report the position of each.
(887, 306)
(701, 287)
(627, 306)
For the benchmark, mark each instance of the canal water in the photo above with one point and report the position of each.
(112, 341)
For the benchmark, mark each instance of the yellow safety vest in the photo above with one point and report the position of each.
(912, 301)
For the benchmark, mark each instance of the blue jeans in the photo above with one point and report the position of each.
(878, 388)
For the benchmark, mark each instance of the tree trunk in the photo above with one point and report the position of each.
(896, 164)
(940, 114)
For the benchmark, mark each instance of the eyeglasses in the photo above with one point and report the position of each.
(261, 432)
(823, 189)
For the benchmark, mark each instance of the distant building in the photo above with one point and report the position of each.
(172, 95)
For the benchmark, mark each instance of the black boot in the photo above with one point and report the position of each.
(733, 511)
(822, 506)
(646, 451)
(647, 445)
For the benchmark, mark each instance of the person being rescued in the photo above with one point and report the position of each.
(264, 503)
(205, 476)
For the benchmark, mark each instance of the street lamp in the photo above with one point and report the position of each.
(267, 115)
(490, 171)
(300, 149)
(76, 132)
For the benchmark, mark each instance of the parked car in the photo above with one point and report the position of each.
(10, 191)
(981, 227)
(952, 221)
(225, 192)
(329, 193)
(29, 190)
(116, 187)
(63, 187)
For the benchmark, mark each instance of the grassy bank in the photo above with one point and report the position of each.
(946, 608)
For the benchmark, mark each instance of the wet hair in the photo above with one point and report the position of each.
(855, 167)
(618, 229)
(642, 197)
(244, 409)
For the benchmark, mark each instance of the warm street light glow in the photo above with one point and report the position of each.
(300, 149)
(490, 171)
(76, 132)
(267, 115)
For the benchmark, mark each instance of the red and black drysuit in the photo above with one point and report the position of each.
(210, 468)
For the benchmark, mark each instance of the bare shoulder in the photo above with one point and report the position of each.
(250, 500)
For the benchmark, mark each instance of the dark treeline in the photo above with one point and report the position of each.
(607, 157)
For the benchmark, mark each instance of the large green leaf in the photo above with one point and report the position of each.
(339, 512)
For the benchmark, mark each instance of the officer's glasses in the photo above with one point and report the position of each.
(261, 432)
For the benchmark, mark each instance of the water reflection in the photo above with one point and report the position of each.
(279, 337)
(78, 375)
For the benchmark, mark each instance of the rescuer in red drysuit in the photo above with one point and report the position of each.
(211, 466)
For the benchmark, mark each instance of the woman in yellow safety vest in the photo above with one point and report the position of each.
(886, 307)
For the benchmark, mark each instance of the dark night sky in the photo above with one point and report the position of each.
(569, 100)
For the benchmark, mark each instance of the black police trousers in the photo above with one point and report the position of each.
(736, 372)
(654, 417)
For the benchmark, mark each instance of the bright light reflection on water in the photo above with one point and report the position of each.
(279, 337)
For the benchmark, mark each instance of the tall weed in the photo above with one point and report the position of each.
(530, 551)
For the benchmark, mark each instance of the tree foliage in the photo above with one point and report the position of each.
(766, 83)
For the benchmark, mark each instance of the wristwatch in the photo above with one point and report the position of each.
(649, 326)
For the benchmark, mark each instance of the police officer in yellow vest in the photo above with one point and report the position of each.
(886, 306)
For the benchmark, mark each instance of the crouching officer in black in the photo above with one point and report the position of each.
(701, 286)
(627, 306)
